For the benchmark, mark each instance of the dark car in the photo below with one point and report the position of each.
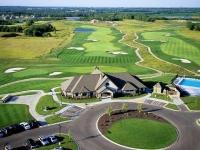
(7, 98)
(17, 128)
(3, 132)
(34, 124)
(30, 143)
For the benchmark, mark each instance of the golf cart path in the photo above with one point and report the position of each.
(32, 79)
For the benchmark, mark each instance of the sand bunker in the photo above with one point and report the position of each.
(185, 61)
(117, 53)
(55, 73)
(12, 70)
(77, 48)
(198, 71)
(92, 40)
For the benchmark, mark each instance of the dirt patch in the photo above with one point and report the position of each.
(105, 121)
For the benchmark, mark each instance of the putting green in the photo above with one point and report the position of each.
(174, 46)
(142, 133)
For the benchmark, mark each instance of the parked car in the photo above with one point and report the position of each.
(25, 125)
(34, 124)
(3, 132)
(44, 140)
(31, 144)
(17, 128)
(7, 98)
(8, 147)
(10, 130)
(59, 148)
(52, 139)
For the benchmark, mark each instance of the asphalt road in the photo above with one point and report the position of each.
(87, 136)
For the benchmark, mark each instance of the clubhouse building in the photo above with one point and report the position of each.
(102, 85)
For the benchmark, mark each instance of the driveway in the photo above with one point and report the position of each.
(31, 101)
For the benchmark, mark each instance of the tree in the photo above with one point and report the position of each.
(69, 135)
(109, 112)
(125, 108)
(139, 107)
(29, 22)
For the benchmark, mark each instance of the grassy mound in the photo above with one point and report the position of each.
(142, 133)
(47, 102)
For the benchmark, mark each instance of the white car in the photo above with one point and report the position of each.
(53, 139)
(25, 125)
(43, 140)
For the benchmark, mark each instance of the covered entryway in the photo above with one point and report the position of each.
(107, 94)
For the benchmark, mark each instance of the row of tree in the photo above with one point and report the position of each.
(11, 28)
(6, 22)
(39, 30)
(193, 26)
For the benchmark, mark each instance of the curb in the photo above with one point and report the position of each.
(130, 148)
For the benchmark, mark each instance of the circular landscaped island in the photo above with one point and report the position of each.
(137, 129)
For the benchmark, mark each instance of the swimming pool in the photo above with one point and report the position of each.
(190, 82)
(188, 85)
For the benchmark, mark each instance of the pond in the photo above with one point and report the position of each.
(86, 30)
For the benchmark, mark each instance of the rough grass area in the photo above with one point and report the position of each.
(165, 78)
(45, 85)
(47, 101)
(192, 102)
(172, 106)
(142, 133)
(55, 119)
(24, 47)
(161, 96)
(66, 142)
(13, 113)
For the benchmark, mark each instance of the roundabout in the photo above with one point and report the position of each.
(137, 129)
(89, 137)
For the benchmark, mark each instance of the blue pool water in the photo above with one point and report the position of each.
(190, 82)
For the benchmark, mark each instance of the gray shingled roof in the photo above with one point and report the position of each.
(120, 79)
(87, 81)
(128, 86)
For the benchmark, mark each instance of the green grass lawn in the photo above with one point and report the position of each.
(192, 102)
(45, 85)
(142, 133)
(161, 96)
(47, 101)
(172, 106)
(13, 113)
(55, 119)
(67, 143)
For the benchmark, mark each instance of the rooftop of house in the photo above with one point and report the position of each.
(91, 82)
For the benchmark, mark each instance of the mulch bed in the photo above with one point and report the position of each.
(105, 121)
